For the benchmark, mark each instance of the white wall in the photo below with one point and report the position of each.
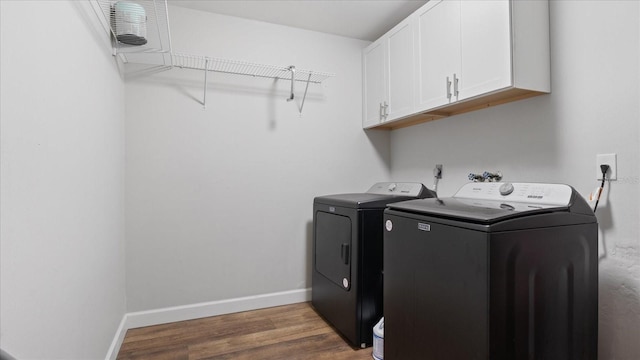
(62, 183)
(219, 200)
(594, 109)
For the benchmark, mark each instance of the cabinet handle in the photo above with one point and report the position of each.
(455, 86)
(448, 88)
(386, 109)
(381, 111)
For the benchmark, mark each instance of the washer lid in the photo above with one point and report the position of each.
(477, 211)
(488, 203)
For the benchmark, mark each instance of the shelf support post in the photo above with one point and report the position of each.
(206, 67)
(293, 80)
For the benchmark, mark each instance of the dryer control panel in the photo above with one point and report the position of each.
(531, 193)
(398, 188)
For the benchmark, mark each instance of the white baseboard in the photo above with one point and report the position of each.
(195, 311)
(117, 339)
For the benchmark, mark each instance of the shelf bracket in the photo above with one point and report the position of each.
(204, 97)
(305, 93)
(293, 81)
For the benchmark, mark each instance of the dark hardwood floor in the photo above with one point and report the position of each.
(292, 332)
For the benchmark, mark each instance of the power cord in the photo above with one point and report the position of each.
(437, 175)
(604, 168)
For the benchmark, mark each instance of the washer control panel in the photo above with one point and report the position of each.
(536, 193)
(397, 188)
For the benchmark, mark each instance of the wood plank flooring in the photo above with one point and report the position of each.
(292, 332)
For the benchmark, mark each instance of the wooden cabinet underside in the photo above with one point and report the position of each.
(485, 101)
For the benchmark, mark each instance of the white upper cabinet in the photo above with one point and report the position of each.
(374, 83)
(467, 55)
(400, 71)
(438, 50)
(485, 47)
(464, 50)
(388, 76)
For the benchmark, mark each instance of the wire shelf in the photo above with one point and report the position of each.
(197, 62)
(142, 38)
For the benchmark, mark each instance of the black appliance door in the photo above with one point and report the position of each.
(333, 248)
(435, 290)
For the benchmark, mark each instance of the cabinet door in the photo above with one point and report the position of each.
(485, 47)
(438, 48)
(374, 83)
(400, 70)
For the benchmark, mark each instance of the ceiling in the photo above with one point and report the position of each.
(359, 19)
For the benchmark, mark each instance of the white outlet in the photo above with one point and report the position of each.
(608, 159)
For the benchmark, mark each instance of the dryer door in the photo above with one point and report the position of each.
(333, 248)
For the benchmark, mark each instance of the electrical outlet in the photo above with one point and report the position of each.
(607, 159)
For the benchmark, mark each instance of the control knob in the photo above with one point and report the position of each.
(506, 189)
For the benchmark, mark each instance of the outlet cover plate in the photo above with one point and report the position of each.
(609, 159)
